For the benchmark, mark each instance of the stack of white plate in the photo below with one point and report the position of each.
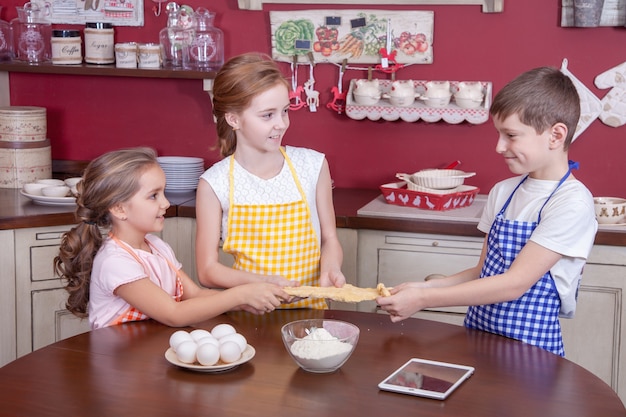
(181, 172)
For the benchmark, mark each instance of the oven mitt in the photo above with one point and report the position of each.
(614, 103)
(590, 105)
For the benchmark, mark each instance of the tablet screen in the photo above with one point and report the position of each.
(426, 378)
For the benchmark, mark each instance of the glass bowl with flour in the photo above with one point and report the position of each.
(320, 345)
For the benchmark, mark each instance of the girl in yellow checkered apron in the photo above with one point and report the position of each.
(131, 274)
(270, 205)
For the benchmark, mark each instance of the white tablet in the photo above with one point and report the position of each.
(426, 378)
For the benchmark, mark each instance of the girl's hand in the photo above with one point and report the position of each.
(280, 281)
(263, 296)
(333, 278)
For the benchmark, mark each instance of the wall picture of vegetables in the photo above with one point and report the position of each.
(358, 36)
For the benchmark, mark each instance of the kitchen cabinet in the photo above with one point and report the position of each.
(7, 297)
(41, 317)
(592, 338)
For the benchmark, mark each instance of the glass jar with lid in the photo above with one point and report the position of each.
(206, 50)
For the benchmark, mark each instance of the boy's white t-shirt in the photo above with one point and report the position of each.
(250, 189)
(113, 266)
(568, 225)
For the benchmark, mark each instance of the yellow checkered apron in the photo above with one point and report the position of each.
(275, 239)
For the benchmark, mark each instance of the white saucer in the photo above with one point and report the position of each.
(247, 354)
(50, 201)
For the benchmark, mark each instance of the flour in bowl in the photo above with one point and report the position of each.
(319, 344)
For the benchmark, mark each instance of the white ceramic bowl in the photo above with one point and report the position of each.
(320, 345)
(56, 191)
(401, 101)
(366, 99)
(610, 210)
(468, 102)
(71, 182)
(440, 179)
(437, 102)
(51, 181)
(34, 188)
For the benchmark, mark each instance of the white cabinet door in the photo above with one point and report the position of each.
(395, 257)
(41, 316)
(593, 338)
(7, 298)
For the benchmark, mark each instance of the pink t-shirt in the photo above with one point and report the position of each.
(114, 266)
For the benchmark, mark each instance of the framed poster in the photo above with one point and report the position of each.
(116, 12)
(358, 36)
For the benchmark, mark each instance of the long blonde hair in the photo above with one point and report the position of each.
(108, 180)
(240, 80)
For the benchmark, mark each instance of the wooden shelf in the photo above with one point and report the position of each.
(105, 70)
(488, 6)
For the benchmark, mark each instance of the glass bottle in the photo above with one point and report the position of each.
(6, 40)
(32, 33)
(176, 36)
(206, 51)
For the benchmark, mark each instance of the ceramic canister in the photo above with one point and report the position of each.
(66, 47)
(24, 162)
(99, 43)
(126, 55)
(149, 55)
(23, 124)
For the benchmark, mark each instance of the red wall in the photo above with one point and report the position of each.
(91, 115)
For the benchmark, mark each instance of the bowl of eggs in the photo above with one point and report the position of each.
(610, 210)
(220, 349)
(320, 345)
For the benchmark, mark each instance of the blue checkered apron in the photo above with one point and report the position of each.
(534, 317)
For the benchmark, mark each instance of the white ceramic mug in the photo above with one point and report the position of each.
(149, 55)
(126, 55)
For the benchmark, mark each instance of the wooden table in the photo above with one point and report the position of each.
(122, 371)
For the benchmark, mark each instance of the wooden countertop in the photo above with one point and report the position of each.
(17, 211)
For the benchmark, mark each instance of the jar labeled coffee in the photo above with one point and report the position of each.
(99, 43)
(66, 47)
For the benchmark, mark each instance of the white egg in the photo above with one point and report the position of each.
(210, 340)
(222, 330)
(237, 338)
(198, 334)
(208, 354)
(178, 337)
(186, 351)
(229, 352)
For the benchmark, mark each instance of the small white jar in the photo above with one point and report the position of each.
(126, 55)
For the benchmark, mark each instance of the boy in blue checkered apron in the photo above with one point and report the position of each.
(540, 224)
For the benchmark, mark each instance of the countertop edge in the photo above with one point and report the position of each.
(17, 212)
